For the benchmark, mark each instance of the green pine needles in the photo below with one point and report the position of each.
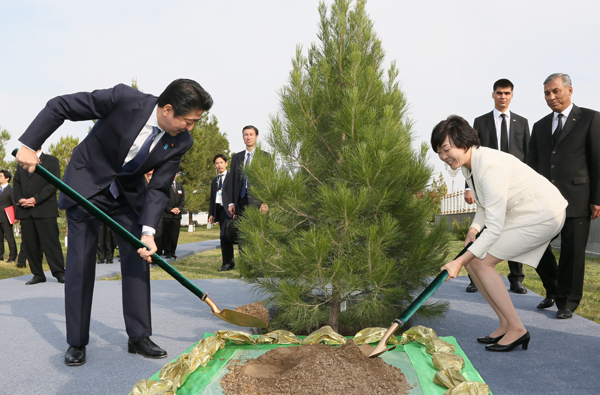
(346, 241)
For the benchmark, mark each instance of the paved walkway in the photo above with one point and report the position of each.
(563, 356)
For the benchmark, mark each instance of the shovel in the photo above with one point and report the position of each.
(373, 352)
(231, 316)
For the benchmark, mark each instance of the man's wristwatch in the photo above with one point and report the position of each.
(148, 233)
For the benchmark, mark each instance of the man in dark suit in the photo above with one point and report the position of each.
(135, 132)
(6, 228)
(171, 219)
(504, 130)
(37, 210)
(242, 196)
(220, 197)
(565, 148)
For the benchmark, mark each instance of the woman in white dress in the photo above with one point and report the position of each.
(520, 210)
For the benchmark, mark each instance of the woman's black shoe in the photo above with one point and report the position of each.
(522, 341)
(489, 340)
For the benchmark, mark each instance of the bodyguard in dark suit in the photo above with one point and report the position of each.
(171, 219)
(565, 148)
(509, 132)
(220, 197)
(37, 210)
(242, 195)
(6, 228)
(135, 132)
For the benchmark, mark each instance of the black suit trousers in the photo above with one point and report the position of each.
(81, 270)
(106, 243)
(40, 236)
(170, 235)
(564, 282)
(226, 244)
(6, 232)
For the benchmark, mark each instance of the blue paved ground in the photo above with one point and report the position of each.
(563, 356)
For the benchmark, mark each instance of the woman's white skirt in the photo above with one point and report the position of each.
(527, 245)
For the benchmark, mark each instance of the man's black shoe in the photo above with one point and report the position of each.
(145, 347)
(35, 280)
(109, 261)
(544, 304)
(518, 288)
(75, 356)
(21, 264)
(60, 278)
(10, 261)
(226, 267)
(472, 287)
(564, 314)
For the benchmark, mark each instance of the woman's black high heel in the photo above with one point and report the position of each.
(489, 340)
(522, 341)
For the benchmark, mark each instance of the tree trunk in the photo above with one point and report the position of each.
(334, 314)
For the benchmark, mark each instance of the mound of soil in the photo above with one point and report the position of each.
(255, 309)
(315, 369)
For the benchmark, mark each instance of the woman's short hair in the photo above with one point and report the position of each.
(458, 131)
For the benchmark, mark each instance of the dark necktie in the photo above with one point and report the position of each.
(245, 180)
(559, 127)
(137, 160)
(503, 134)
(220, 181)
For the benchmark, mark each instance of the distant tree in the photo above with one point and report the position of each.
(63, 149)
(197, 169)
(436, 191)
(10, 165)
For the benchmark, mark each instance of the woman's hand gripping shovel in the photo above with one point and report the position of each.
(373, 352)
(231, 316)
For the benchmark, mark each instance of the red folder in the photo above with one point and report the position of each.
(10, 213)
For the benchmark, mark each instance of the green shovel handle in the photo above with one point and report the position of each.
(427, 292)
(131, 239)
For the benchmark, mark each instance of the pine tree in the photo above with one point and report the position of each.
(346, 241)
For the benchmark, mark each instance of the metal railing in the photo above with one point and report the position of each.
(454, 203)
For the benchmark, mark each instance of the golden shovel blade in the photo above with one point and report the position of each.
(240, 319)
(373, 352)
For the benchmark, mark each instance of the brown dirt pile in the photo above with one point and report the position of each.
(255, 309)
(315, 369)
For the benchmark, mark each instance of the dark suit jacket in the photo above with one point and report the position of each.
(6, 200)
(176, 199)
(96, 162)
(518, 144)
(29, 185)
(226, 195)
(237, 170)
(573, 165)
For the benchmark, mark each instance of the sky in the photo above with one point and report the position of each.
(448, 53)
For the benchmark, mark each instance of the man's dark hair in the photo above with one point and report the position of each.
(185, 96)
(503, 83)
(250, 127)
(6, 174)
(458, 131)
(217, 156)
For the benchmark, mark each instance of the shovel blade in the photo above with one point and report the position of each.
(241, 319)
(373, 352)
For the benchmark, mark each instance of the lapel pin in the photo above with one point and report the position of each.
(166, 146)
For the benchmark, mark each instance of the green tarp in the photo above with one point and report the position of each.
(411, 358)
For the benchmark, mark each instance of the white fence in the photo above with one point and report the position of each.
(454, 203)
(198, 218)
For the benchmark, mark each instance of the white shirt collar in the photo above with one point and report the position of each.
(565, 113)
(498, 113)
